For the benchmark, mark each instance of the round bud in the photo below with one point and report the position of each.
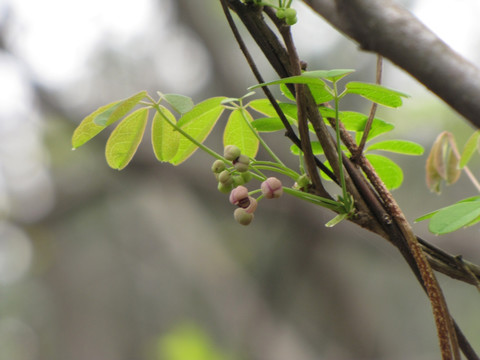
(239, 194)
(218, 166)
(225, 178)
(231, 152)
(280, 13)
(242, 216)
(290, 13)
(272, 188)
(225, 189)
(241, 164)
(291, 20)
(238, 180)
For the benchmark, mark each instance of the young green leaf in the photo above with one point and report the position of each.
(268, 124)
(376, 93)
(124, 140)
(469, 149)
(398, 146)
(87, 129)
(165, 138)
(454, 217)
(119, 110)
(390, 173)
(237, 132)
(430, 214)
(299, 79)
(197, 123)
(316, 148)
(320, 93)
(355, 121)
(426, 216)
(330, 75)
(263, 106)
(179, 103)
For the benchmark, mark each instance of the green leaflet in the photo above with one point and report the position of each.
(454, 217)
(165, 138)
(119, 110)
(376, 93)
(197, 123)
(430, 214)
(299, 79)
(390, 173)
(268, 124)
(469, 149)
(355, 121)
(319, 92)
(237, 132)
(398, 146)
(330, 75)
(180, 103)
(316, 149)
(104, 116)
(124, 140)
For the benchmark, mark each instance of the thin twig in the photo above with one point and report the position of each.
(373, 110)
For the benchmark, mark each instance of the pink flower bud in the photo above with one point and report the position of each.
(239, 194)
(272, 188)
(252, 206)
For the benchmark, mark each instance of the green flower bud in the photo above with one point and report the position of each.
(290, 13)
(225, 189)
(241, 164)
(225, 178)
(242, 216)
(231, 152)
(291, 20)
(280, 13)
(238, 180)
(218, 166)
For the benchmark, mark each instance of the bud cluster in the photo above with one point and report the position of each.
(231, 180)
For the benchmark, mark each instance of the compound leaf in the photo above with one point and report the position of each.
(124, 140)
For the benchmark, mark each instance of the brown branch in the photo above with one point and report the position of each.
(383, 27)
(383, 210)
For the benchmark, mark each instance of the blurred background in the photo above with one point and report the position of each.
(148, 263)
